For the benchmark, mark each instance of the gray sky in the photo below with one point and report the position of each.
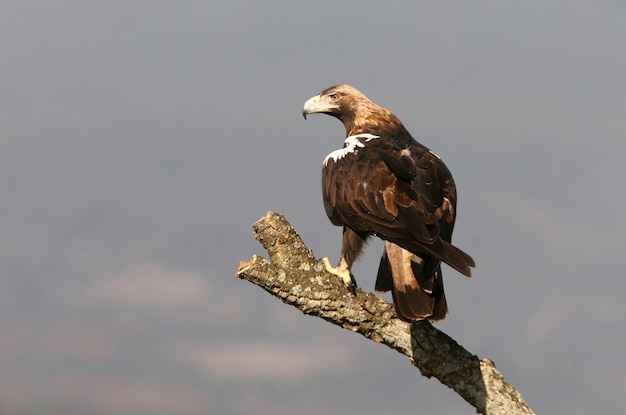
(140, 140)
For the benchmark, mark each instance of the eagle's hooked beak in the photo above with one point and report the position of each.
(319, 103)
(311, 106)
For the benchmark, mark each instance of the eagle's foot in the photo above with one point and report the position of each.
(343, 273)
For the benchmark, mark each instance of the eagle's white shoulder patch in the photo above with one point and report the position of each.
(434, 154)
(352, 143)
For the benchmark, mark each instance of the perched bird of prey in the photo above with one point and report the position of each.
(384, 183)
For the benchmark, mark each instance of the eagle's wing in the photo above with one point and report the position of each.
(404, 195)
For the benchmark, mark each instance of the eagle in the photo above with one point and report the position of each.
(384, 183)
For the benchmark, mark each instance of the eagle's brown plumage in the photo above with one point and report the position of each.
(384, 183)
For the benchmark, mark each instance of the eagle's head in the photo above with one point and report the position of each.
(357, 113)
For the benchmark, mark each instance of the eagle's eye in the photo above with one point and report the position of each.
(334, 95)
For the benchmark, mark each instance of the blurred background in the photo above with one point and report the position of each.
(139, 141)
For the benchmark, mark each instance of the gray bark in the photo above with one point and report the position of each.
(295, 276)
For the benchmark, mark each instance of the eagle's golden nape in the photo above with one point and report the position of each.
(384, 183)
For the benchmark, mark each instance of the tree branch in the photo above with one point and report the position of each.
(297, 278)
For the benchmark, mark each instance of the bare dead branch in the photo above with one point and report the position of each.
(297, 278)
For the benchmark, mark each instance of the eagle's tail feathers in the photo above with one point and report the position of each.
(401, 271)
(384, 279)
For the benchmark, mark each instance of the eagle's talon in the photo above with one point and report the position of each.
(344, 274)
